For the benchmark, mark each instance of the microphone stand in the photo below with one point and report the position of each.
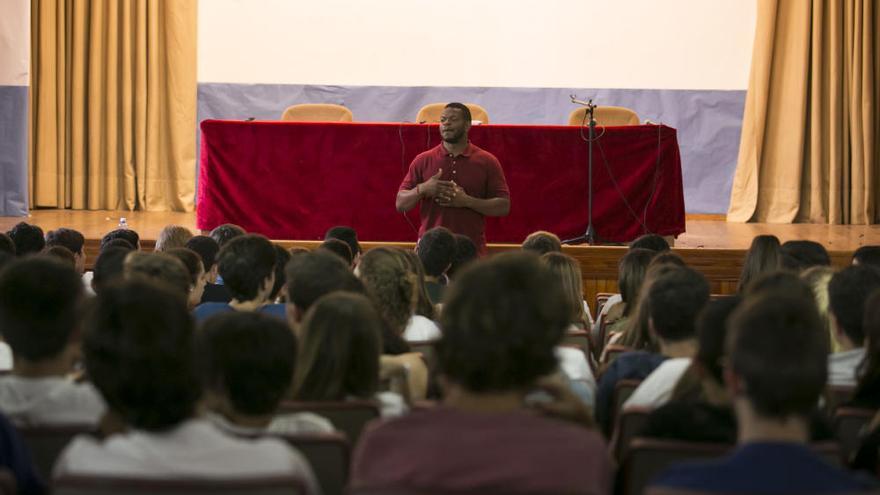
(589, 236)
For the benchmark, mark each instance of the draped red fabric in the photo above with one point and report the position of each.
(294, 180)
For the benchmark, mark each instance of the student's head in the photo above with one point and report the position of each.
(763, 256)
(40, 302)
(777, 354)
(207, 248)
(172, 236)
(847, 292)
(282, 257)
(631, 275)
(676, 300)
(6, 244)
(108, 267)
(161, 268)
(568, 272)
(637, 330)
(247, 265)
(226, 232)
(347, 235)
(542, 242)
(312, 275)
(246, 361)
(799, 255)
(72, 240)
(196, 271)
(28, 239)
(63, 254)
(424, 306)
(128, 235)
(780, 281)
(435, 250)
(818, 278)
(138, 351)
(339, 248)
(390, 286)
(340, 348)
(666, 258)
(465, 252)
(867, 255)
(652, 242)
(501, 322)
(118, 242)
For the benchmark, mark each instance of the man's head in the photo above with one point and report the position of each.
(28, 238)
(63, 254)
(349, 236)
(455, 122)
(676, 299)
(542, 242)
(339, 248)
(40, 300)
(465, 253)
(777, 351)
(128, 235)
(312, 275)
(502, 320)
(196, 271)
(847, 293)
(800, 255)
(108, 267)
(867, 255)
(72, 240)
(160, 268)
(172, 236)
(226, 232)
(207, 248)
(652, 242)
(247, 265)
(139, 354)
(435, 250)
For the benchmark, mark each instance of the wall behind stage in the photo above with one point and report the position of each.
(681, 62)
(14, 66)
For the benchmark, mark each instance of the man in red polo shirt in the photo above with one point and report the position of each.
(456, 183)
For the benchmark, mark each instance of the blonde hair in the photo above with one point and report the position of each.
(818, 278)
(172, 236)
(568, 272)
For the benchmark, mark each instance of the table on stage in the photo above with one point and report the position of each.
(294, 180)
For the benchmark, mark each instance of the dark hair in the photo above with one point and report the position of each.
(435, 250)
(636, 329)
(28, 238)
(867, 255)
(631, 275)
(245, 262)
(191, 261)
(676, 300)
(226, 232)
(127, 234)
(161, 268)
(652, 242)
(314, 274)
(501, 322)
(139, 354)
(341, 344)
(424, 305)
(172, 236)
(108, 266)
(466, 112)
(207, 248)
(40, 301)
(247, 357)
(6, 244)
(465, 252)
(777, 347)
(347, 235)
(5, 258)
(567, 271)
(542, 242)
(118, 242)
(869, 369)
(61, 253)
(339, 248)
(69, 238)
(780, 282)
(847, 293)
(800, 255)
(763, 256)
(282, 256)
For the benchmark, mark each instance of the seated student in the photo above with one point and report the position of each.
(847, 292)
(424, 307)
(158, 267)
(109, 266)
(339, 248)
(776, 375)
(247, 362)
(652, 242)
(465, 253)
(867, 255)
(62, 254)
(502, 320)
(143, 363)
(631, 271)
(282, 257)
(72, 240)
(339, 354)
(867, 393)
(435, 250)
(763, 256)
(247, 265)
(172, 236)
(196, 271)
(349, 236)
(127, 235)
(569, 272)
(797, 256)
(208, 248)
(542, 242)
(28, 238)
(40, 309)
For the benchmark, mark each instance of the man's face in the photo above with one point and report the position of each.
(453, 126)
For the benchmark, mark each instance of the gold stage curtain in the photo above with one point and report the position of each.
(808, 151)
(113, 104)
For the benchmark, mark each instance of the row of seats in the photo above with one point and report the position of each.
(328, 112)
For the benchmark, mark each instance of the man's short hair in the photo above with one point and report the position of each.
(465, 111)
(651, 242)
(108, 266)
(347, 235)
(247, 357)
(207, 248)
(847, 293)
(28, 238)
(191, 261)
(779, 281)
(312, 275)
(245, 262)
(867, 255)
(126, 234)
(282, 257)
(778, 348)
(161, 268)
(69, 238)
(676, 299)
(435, 250)
(339, 248)
(800, 255)
(501, 323)
(118, 242)
(712, 335)
(61, 253)
(6, 244)
(226, 232)
(138, 351)
(465, 253)
(40, 301)
(172, 236)
(542, 242)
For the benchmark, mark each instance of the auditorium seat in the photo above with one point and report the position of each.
(329, 455)
(601, 299)
(47, 442)
(605, 116)
(115, 485)
(837, 395)
(848, 425)
(627, 426)
(317, 112)
(428, 350)
(349, 417)
(612, 351)
(430, 113)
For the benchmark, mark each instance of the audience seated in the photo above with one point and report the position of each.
(172, 236)
(339, 248)
(867, 393)
(62, 254)
(797, 256)
(28, 239)
(40, 307)
(109, 266)
(762, 257)
(867, 255)
(777, 373)
(196, 271)
(159, 267)
(127, 235)
(435, 249)
(225, 233)
(501, 322)
(282, 257)
(568, 270)
(143, 363)
(542, 242)
(207, 248)
(310, 276)
(848, 291)
(465, 253)
(349, 236)
(424, 306)
(652, 242)
(631, 273)
(72, 240)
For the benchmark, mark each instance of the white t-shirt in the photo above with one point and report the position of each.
(842, 367)
(655, 390)
(193, 449)
(420, 328)
(5, 357)
(573, 364)
(282, 424)
(49, 401)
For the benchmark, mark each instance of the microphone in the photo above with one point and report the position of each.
(575, 100)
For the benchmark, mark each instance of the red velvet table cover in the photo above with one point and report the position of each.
(294, 180)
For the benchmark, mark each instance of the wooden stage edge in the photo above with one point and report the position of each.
(711, 245)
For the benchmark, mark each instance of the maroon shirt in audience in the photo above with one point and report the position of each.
(446, 449)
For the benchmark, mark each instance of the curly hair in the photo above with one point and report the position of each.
(390, 286)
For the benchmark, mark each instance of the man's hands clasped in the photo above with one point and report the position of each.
(444, 192)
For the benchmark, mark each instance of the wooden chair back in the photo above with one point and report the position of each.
(349, 417)
(47, 442)
(317, 112)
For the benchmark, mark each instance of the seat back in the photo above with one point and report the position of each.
(329, 455)
(836, 395)
(628, 425)
(430, 113)
(428, 350)
(612, 351)
(47, 442)
(579, 339)
(115, 485)
(601, 298)
(605, 116)
(317, 112)
(848, 425)
(647, 457)
(349, 417)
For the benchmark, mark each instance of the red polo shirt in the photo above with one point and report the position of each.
(477, 171)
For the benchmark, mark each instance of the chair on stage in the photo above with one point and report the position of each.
(605, 116)
(349, 417)
(317, 112)
(114, 485)
(430, 113)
